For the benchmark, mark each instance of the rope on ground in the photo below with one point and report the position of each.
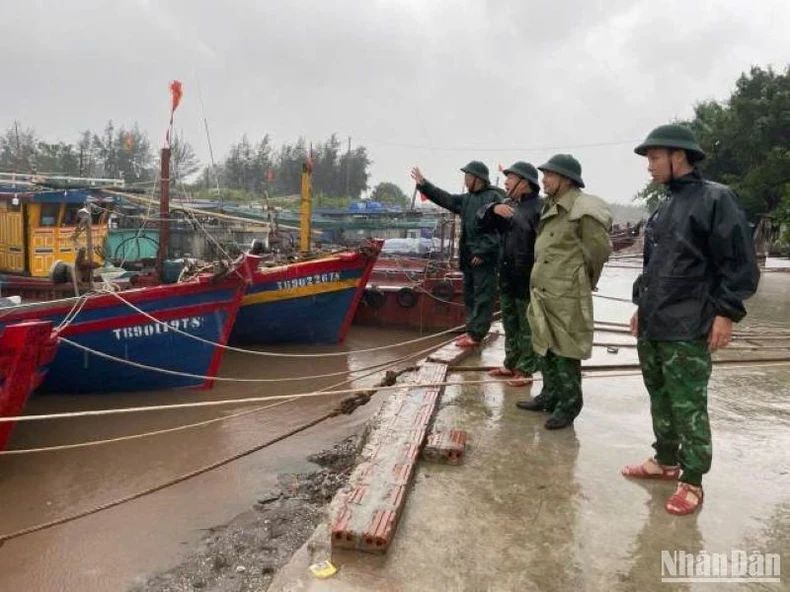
(625, 257)
(279, 354)
(637, 267)
(604, 370)
(602, 325)
(633, 345)
(764, 362)
(768, 334)
(615, 298)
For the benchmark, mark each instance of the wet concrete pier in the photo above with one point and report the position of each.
(536, 510)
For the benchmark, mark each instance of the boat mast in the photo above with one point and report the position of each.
(164, 212)
(307, 195)
(176, 93)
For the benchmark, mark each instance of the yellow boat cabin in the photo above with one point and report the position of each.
(40, 227)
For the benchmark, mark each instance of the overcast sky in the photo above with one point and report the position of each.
(428, 82)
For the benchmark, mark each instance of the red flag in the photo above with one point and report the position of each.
(176, 93)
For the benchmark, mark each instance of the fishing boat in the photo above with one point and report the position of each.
(150, 338)
(116, 335)
(25, 351)
(311, 301)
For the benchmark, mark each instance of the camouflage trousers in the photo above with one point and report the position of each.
(479, 298)
(676, 375)
(519, 354)
(562, 385)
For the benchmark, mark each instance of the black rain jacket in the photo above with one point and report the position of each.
(517, 235)
(699, 262)
(474, 241)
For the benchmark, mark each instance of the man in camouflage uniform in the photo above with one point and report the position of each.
(571, 249)
(478, 249)
(699, 267)
(517, 221)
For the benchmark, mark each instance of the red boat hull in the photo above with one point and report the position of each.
(25, 351)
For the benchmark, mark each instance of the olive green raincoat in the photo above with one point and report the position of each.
(572, 247)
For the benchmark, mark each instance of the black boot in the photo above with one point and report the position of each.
(557, 422)
(539, 403)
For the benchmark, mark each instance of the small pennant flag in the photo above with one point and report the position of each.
(176, 92)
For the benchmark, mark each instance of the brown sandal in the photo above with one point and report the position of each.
(668, 473)
(686, 499)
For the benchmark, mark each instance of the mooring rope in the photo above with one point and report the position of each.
(390, 364)
(755, 363)
(615, 298)
(161, 486)
(179, 479)
(220, 463)
(280, 354)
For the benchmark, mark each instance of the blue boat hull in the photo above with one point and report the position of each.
(120, 332)
(307, 302)
(309, 319)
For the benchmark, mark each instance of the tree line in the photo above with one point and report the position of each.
(260, 167)
(116, 152)
(250, 170)
(747, 142)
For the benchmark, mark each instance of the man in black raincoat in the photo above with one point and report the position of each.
(699, 266)
(517, 221)
(478, 249)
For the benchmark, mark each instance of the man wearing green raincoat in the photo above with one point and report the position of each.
(478, 249)
(572, 247)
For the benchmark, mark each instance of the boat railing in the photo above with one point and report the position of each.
(46, 177)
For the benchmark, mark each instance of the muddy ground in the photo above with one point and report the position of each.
(246, 553)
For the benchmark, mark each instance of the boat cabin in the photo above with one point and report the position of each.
(40, 227)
